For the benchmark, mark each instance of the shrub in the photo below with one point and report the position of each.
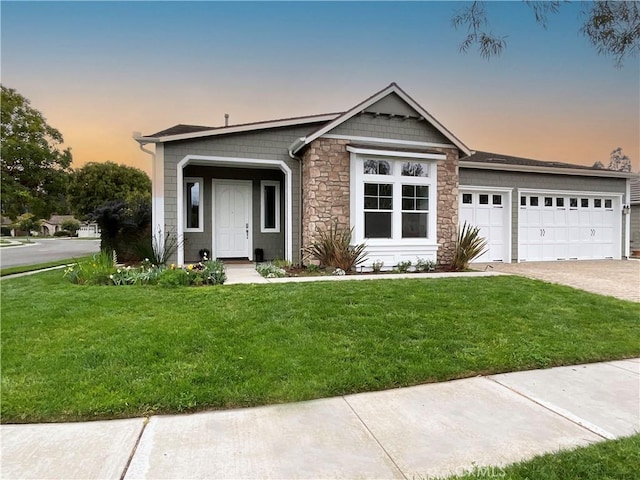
(403, 267)
(96, 271)
(5, 231)
(281, 263)
(377, 266)
(71, 226)
(61, 233)
(333, 249)
(270, 270)
(173, 277)
(423, 265)
(469, 246)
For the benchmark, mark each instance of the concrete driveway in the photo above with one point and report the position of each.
(616, 278)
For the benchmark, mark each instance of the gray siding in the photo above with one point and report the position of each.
(269, 144)
(397, 128)
(635, 227)
(518, 180)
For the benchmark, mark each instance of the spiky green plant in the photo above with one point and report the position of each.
(469, 246)
(333, 248)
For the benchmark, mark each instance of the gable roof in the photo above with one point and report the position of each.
(390, 89)
(498, 161)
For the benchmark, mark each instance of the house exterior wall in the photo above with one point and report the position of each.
(397, 128)
(325, 187)
(447, 205)
(271, 144)
(525, 180)
(635, 229)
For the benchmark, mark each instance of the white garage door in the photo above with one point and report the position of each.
(567, 226)
(489, 210)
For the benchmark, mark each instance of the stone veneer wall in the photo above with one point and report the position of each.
(325, 187)
(447, 206)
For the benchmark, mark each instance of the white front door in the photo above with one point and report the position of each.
(232, 219)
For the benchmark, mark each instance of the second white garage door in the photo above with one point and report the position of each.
(563, 226)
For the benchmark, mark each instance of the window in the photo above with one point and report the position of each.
(548, 201)
(607, 203)
(395, 200)
(378, 209)
(584, 202)
(467, 198)
(523, 201)
(484, 199)
(415, 169)
(533, 201)
(415, 211)
(193, 205)
(377, 167)
(270, 207)
(573, 203)
(496, 199)
(597, 203)
(559, 202)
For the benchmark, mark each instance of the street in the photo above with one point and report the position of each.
(46, 250)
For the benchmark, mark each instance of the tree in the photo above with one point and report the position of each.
(71, 226)
(117, 197)
(619, 161)
(598, 164)
(27, 222)
(33, 164)
(612, 27)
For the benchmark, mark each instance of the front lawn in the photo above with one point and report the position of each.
(73, 352)
(612, 460)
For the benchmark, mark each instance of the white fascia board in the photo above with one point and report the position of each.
(239, 128)
(393, 88)
(391, 153)
(536, 169)
(388, 141)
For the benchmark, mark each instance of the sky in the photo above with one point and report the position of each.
(99, 71)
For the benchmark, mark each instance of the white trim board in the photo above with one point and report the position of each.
(388, 141)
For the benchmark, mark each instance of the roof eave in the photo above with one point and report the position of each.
(240, 128)
(542, 169)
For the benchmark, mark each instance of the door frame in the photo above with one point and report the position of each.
(248, 184)
(508, 209)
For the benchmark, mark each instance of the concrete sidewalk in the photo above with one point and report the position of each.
(416, 432)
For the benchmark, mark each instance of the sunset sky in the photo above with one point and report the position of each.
(100, 70)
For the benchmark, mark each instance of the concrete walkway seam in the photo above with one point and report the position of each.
(376, 439)
(601, 432)
(135, 447)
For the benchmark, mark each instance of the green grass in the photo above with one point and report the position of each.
(74, 352)
(40, 266)
(612, 460)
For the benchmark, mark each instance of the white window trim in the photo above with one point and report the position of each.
(358, 179)
(200, 180)
(272, 183)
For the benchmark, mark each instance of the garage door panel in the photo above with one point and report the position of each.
(585, 230)
(488, 210)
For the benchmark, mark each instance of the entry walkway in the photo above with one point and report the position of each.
(417, 432)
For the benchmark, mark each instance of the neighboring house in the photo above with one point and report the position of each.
(635, 216)
(54, 224)
(89, 230)
(387, 169)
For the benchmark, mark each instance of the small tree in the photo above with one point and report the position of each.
(598, 164)
(619, 161)
(71, 226)
(28, 222)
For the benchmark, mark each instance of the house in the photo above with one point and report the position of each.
(389, 170)
(635, 216)
(54, 224)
